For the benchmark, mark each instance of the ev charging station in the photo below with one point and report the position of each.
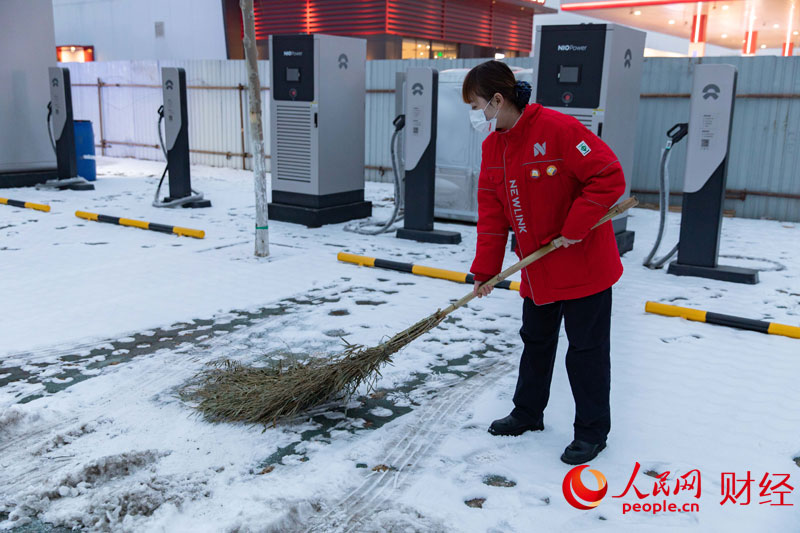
(317, 109)
(710, 120)
(60, 109)
(175, 115)
(26, 151)
(593, 72)
(29, 153)
(419, 161)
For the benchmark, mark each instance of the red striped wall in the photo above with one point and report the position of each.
(469, 22)
(279, 17)
(509, 29)
(347, 17)
(415, 18)
(478, 22)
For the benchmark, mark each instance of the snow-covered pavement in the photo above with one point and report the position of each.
(101, 324)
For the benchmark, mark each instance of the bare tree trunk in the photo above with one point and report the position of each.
(256, 129)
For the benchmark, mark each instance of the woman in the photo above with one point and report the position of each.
(545, 175)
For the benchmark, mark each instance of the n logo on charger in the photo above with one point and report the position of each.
(539, 149)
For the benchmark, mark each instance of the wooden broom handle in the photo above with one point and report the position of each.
(538, 254)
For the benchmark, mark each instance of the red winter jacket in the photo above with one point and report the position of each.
(549, 176)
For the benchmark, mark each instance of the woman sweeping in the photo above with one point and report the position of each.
(545, 175)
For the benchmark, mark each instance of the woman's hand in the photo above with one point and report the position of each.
(479, 291)
(566, 243)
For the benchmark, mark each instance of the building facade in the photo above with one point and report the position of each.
(108, 30)
(397, 29)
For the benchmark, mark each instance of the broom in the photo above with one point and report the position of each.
(230, 391)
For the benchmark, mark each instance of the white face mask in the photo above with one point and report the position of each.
(480, 122)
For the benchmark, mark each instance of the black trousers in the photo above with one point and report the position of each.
(588, 325)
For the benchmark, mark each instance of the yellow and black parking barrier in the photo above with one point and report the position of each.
(719, 319)
(152, 226)
(419, 270)
(26, 205)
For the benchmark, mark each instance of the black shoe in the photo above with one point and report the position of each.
(511, 426)
(580, 452)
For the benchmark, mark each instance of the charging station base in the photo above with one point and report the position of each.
(624, 241)
(720, 272)
(314, 217)
(26, 178)
(81, 187)
(194, 205)
(434, 236)
(198, 204)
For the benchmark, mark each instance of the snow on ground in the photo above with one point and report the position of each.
(101, 324)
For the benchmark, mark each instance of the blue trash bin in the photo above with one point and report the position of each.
(84, 146)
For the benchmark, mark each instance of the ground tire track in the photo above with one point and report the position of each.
(358, 504)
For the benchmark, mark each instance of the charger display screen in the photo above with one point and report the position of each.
(292, 74)
(568, 74)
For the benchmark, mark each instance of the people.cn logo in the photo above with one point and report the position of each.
(577, 494)
(572, 48)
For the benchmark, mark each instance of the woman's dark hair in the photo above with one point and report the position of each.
(493, 77)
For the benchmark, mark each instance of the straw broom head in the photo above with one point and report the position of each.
(229, 391)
